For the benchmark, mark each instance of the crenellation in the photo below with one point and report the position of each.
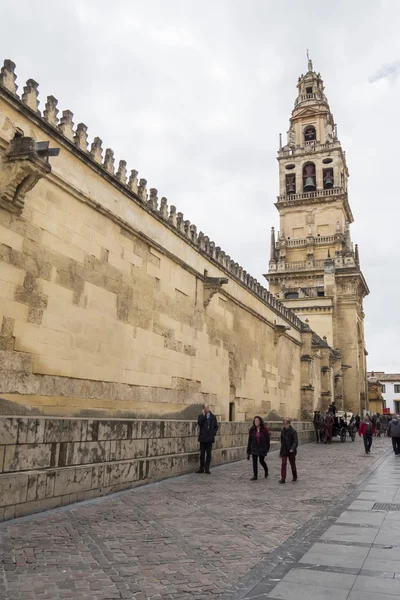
(211, 249)
(152, 202)
(133, 181)
(172, 215)
(193, 233)
(81, 136)
(200, 241)
(109, 161)
(51, 111)
(142, 190)
(164, 208)
(121, 173)
(30, 95)
(8, 77)
(66, 125)
(96, 150)
(180, 223)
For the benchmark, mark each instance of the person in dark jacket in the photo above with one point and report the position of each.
(358, 421)
(367, 430)
(393, 431)
(208, 427)
(289, 443)
(258, 446)
(318, 425)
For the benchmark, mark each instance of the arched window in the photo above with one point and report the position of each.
(291, 295)
(309, 182)
(310, 133)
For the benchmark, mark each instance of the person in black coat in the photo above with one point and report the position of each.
(289, 443)
(258, 446)
(208, 427)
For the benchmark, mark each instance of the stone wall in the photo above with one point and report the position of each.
(46, 463)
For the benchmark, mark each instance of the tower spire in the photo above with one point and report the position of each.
(272, 254)
(310, 65)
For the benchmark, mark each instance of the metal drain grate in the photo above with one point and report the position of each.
(388, 507)
(316, 502)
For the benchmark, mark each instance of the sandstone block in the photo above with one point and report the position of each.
(26, 457)
(72, 481)
(131, 449)
(8, 430)
(63, 430)
(13, 489)
(15, 361)
(151, 429)
(113, 430)
(158, 447)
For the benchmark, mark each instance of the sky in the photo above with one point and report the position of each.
(193, 94)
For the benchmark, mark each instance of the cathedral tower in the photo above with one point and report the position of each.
(314, 268)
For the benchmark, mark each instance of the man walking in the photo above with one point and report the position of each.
(208, 427)
(393, 431)
(289, 443)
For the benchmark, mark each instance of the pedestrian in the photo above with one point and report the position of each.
(332, 408)
(367, 430)
(258, 446)
(208, 427)
(289, 443)
(393, 431)
(378, 425)
(318, 423)
(358, 421)
(329, 421)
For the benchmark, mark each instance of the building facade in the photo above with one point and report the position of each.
(390, 383)
(314, 269)
(113, 304)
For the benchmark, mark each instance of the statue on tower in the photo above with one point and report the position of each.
(310, 65)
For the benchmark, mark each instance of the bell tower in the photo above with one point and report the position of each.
(314, 269)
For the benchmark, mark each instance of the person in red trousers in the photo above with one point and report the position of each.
(289, 443)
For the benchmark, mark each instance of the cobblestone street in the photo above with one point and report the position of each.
(190, 537)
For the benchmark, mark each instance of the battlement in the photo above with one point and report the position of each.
(136, 188)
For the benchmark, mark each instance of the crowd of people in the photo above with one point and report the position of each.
(259, 443)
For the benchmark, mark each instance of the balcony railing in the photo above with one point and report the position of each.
(306, 195)
(322, 239)
(305, 97)
(305, 149)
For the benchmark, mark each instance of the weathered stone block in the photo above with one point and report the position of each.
(72, 481)
(85, 453)
(123, 473)
(151, 429)
(63, 430)
(158, 447)
(113, 430)
(8, 431)
(127, 449)
(26, 457)
(179, 428)
(13, 489)
(15, 361)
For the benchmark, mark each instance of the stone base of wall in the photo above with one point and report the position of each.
(46, 463)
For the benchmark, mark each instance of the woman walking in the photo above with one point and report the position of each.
(289, 443)
(367, 430)
(258, 446)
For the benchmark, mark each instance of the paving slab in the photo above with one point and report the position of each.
(343, 533)
(292, 591)
(362, 518)
(379, 585)
(321, 578)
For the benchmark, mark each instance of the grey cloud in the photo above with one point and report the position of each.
(390, 71)
(194, 94)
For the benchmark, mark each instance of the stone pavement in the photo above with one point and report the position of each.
(354, 554)
(193, 537)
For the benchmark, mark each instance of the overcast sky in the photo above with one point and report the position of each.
(193, 94)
